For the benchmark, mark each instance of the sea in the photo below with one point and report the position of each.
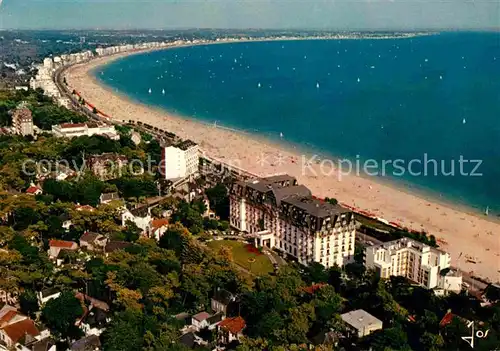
(422, 113)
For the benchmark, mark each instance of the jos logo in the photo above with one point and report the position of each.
(478, 334)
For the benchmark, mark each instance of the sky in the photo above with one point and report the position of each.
(271, 14)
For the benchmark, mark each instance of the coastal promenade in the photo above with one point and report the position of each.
(454, 229)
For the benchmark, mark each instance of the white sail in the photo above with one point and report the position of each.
(149, 90)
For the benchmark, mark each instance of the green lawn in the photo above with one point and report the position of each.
(262, 265)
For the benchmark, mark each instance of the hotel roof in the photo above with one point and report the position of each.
(316, 207)
(283, 193)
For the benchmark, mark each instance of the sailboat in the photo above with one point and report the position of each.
(463, 121)
(149, 90)
(281, 135)
(163, 91)
(359, 80)
(317, 85)
(258, 85)
(487, 212)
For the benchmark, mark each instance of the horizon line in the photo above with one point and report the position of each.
(408, 30)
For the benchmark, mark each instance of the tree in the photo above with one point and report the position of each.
(132, 231)
(174, 238)
(219, 200)
(432, 342)
(61, 313)
(390, 339)
(331, 200)
(28, 302)
(125, 332)
(189, 217)
(316, 273)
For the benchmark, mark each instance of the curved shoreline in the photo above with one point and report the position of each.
(453, 226)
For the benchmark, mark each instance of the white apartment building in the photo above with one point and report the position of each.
(70, 130)
(180, 160)
(22, 121)
(282, 214)
(411, 259)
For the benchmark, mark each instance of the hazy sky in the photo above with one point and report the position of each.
(323, 14)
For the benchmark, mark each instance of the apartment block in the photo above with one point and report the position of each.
(180, 160)
(283, 214)
(408, 258)
(22, 121)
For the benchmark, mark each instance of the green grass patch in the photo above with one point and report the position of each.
(258, 264)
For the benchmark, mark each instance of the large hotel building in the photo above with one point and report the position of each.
(414, 260)
(282, 214)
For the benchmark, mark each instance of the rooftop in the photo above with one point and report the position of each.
(72, 125)
(89, 236)
(234, 325)
(84, 208)
(8, 316)
(91, 342)
(185, 144)
(33, 189)
(402, 243)
(23, 113)
(223, 296)
(109, 197)
(158, 223)
(284, 188)
(20, 329)
(360, 319)
(313, 288)
(116, 245)
(62, 244)
(316, 207)
(216, 318)
(200, 317)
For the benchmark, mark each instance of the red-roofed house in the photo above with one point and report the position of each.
(12, 333)
(230, 329)
(313, 288)
(448, 317)
(56, 246)
(15, 326)
(34, 190)
(158, 228)
(8, 315)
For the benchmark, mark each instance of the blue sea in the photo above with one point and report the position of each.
(426, 98)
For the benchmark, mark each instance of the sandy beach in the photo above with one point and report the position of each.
(465, 236)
